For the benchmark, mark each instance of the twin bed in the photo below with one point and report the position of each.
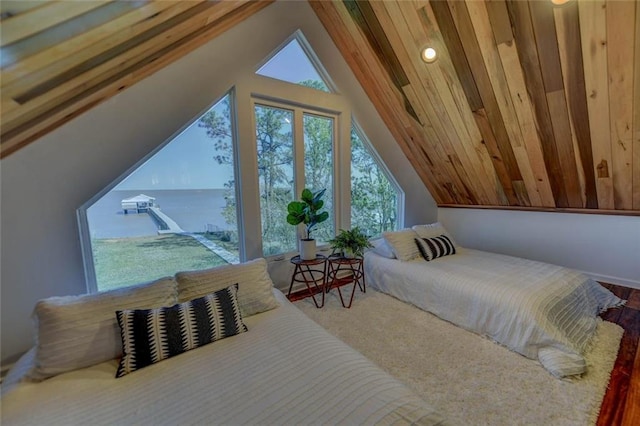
(285, 369)
(277, 366)
(539, 310)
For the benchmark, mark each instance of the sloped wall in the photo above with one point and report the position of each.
(44, 183)
(528, 105)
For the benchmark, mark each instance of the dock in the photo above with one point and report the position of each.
(166, 225)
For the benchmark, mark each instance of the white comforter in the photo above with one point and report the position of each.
(540, 310)
(284, 370)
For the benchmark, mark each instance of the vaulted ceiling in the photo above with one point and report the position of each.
(61, 58)
(528, 105)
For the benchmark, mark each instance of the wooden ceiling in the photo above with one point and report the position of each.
(61, 58)
(527, 106)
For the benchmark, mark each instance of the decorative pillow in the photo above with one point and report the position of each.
(402, 243)
(432, 230)
(151, 335)
(255, 292)
(74, 332)
(433, 248)
(381, 248)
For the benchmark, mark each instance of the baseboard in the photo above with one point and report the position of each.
(614, 280)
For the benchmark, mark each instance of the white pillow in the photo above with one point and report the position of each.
(432, 230)
(403, 243)
(254, 285)
(74, 332)
(381, 248)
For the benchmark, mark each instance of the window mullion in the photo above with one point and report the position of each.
(298, 152)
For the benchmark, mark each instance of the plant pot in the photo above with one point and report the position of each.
(307, 249)
(348, 253)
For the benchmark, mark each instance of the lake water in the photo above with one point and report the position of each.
(192, 210)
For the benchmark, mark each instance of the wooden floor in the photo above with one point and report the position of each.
(621, 404)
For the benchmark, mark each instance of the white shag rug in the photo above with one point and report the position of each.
(468, 378)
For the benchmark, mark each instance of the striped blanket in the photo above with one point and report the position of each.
(286, 370)
(539, 310)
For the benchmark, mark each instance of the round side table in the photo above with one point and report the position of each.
(343, 271)
(312, 273)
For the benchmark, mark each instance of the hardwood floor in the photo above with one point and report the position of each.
(621, 404)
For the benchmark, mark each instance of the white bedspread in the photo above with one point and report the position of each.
(540, 310)
(284, 370)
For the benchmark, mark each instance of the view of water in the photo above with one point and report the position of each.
(192, 210)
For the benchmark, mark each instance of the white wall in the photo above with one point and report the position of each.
(605, 247)
(44, 183)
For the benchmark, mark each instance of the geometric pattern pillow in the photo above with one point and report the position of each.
(152, 335)
(432, 248)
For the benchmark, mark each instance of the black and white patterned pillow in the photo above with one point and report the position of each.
(435, 247)
(152, 335)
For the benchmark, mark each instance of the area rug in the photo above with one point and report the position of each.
(469, 379)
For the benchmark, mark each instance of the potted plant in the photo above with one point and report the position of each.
(351, 243)
(307, 211)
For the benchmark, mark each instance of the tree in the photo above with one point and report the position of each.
(275, 173)
(217, 123)
(373, 197)
(318, 159)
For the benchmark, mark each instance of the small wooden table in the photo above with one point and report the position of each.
(343, 271)
(312, 273)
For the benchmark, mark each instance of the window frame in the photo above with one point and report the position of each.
(251, 88)
(299, 110)
(82, 219)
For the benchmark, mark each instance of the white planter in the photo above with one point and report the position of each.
(348, 254)
(307, 249)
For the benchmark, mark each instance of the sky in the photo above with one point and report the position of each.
(187, 162)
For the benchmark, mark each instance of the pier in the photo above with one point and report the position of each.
(166, 225)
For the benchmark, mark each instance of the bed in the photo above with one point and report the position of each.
(284, 370)
(542, 311)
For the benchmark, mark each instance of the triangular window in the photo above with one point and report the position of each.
(176, 211)
(292, 64)
(375, 196)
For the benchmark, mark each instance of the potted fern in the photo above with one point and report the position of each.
(308, 212)
(351, 243)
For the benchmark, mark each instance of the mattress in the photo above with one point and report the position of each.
(542, 311)
(285, 370)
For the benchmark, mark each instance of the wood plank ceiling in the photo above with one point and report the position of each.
(61, 58)
(527, 106)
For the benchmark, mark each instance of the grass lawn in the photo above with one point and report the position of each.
(120, 262)
(231, 247)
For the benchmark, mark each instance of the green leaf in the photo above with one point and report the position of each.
(322, 217)
(307, 196)
(296, 207)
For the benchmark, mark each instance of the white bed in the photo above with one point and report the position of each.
(539, 310)
(285, 370)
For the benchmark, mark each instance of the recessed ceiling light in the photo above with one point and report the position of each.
(559, 2)
(429, 54)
